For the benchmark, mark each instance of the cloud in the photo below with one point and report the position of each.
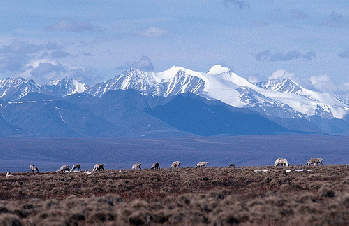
(323, 83)
(88, 76)
(309, 55)
(263, 56)
(41, 63)
(70, 26)
(238, 3)
(285, 57)
(344, 87)
(253, 79)
(143, 64)
(283, 74)
(344, 54)
(336, 20)
(292, 17)
(292, 55)
(59, 54)
(16, 55)
(44, 69)
(154, 32)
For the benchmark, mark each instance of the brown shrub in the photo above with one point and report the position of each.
(186, 196)
(9, 220)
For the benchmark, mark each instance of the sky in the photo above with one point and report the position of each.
(94, 40)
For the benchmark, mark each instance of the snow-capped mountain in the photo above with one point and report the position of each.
(14, 89)
(64, 87)
(305, 101)
(283, 85)
(165, 84)
(280, 98)
(275, 98)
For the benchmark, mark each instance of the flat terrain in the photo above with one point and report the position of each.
(17, 153)
(303, 195)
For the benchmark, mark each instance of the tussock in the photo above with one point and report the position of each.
(181, 196)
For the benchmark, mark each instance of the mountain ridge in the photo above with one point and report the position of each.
(128, 105)
(218, 83)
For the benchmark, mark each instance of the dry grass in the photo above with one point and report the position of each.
(187, 196)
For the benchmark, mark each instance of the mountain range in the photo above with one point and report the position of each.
(176, 102)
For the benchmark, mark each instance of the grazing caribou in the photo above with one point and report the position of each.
(98, 167)
(155, 166)
(281, 162)
(315, 161)
(201, 164)
(175, 164)
(75, 167)
(136, 166)
(64, 168)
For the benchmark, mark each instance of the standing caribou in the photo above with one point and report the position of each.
(33, 168)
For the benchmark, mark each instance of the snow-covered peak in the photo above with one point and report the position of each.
(218, 69)
(170, 73)
(281, 85)
(64, 87)
(79, 87)
(16, 88)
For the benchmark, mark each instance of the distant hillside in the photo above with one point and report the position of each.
(194, 115)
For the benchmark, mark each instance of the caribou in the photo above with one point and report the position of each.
(64, 168)
(281, 162)
(201, 164)
(175, 164)
(315, 161)
(155, 166)
(75, 167)
(33, 168)
(136, 166)
(98, 167)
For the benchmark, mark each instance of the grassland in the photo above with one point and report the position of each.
(317, 195)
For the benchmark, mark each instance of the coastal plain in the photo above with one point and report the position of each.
(254, 195)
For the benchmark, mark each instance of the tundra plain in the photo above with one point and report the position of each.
(263, 195)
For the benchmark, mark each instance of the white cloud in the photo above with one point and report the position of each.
(344, 87)
(143, 64)
(71, 26)
(323, 83)
(154, 32)
(253, 79)
(336, 20)
(282, 74)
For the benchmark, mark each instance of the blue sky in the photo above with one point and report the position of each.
(93, 40)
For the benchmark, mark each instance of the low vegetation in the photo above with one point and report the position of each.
(302, 195)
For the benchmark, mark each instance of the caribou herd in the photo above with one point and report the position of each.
(280, 162)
